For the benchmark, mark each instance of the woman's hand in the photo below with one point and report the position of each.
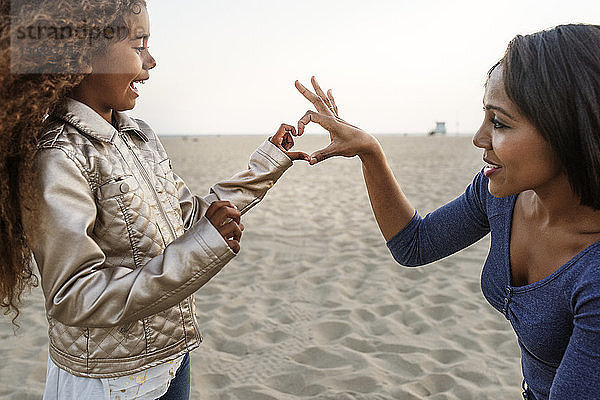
(346, 140)
(284, 140)
(226, 218)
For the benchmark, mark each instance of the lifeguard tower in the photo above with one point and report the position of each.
(440, 128)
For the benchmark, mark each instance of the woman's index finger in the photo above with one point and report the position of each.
(310, 96)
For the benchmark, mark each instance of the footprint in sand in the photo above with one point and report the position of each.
(327, 332)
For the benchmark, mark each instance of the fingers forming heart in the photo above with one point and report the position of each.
(285, 141)
(345, 139)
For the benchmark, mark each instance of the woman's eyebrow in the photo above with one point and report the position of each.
(500, 109)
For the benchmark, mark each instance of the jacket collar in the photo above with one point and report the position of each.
(88, 121)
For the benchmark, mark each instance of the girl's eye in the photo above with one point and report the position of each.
(140, 49)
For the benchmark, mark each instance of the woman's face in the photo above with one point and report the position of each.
(112, 83)
(517, 157)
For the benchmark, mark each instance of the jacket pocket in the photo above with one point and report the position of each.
(165, 329)
(118, 202)
(120, 186)
(119, 342)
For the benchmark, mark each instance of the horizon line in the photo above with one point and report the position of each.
(189, 134)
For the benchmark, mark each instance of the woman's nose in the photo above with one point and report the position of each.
(482, 138)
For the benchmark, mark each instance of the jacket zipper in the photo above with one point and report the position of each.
(149, 183)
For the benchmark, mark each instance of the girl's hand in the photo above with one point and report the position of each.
(346, 140)
(283, 139)
(226, 218)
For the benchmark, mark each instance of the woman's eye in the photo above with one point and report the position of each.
(140, 49)
(497, 124)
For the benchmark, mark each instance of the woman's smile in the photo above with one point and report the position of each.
(490, 168)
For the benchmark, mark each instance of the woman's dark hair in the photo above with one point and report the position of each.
(32, 79)
(553, 77)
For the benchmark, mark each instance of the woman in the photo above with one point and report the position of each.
(121, 243)
(538, 195)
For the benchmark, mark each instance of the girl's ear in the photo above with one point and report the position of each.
(85, 68)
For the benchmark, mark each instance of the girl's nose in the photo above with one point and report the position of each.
(482, 138)
(149, 61)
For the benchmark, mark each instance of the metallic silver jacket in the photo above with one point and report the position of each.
(120, 242)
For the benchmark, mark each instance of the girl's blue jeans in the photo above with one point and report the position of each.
(527, 395)
(179, 389)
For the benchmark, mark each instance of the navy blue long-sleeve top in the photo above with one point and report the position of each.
(556, 319)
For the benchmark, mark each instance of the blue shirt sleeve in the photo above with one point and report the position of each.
(578, 374)
(446, 230)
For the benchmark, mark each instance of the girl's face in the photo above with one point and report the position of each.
(517, 156)
(112, 83)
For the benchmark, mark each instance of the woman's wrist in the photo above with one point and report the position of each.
(370, 150)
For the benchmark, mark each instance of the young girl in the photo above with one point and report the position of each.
(538, 195)
(120, 242)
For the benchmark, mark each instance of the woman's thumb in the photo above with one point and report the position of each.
(323, 154)
(312, 116)
(325, 121)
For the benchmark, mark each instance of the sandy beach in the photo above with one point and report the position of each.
(314, 306)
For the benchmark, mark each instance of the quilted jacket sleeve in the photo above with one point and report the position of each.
(244, 189)
(79, 290)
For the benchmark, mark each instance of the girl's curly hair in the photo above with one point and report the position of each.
(46, 48)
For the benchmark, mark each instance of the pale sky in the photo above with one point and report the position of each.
(395, 66)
